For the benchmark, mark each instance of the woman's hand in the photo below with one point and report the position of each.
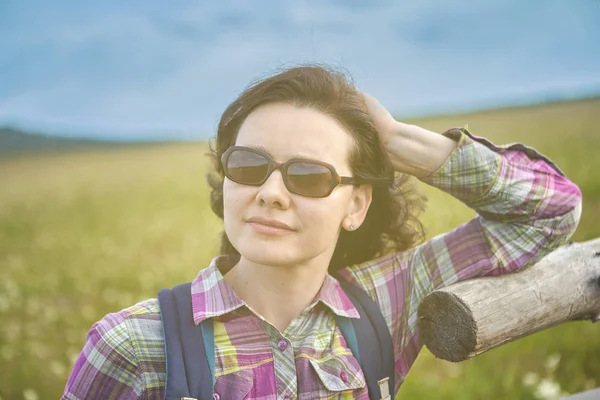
(412, 149)
(386, 125)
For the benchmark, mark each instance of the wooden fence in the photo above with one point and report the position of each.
(464, 320)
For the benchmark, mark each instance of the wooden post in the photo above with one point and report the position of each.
(463, 320)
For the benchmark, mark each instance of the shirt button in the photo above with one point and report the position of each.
(216, 396)
(282, 344)
(344, 376)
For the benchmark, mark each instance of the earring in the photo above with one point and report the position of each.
(351, 227)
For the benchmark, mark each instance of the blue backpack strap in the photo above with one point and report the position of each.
(349, 333)
(374, 347)
(208, 336)
(188, 369)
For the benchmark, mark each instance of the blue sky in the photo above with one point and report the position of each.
(149, 69)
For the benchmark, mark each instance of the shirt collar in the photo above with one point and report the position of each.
(212, 296)
(333, 296)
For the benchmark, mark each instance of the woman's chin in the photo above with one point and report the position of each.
(271, 256)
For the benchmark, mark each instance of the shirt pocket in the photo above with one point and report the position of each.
(339, 376)
(234, 385)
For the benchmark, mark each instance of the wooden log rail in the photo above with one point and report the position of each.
(466, 319)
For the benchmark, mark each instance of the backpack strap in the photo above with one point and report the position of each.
(189, 348)
(370, 341)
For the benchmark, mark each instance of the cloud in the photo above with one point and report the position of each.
(120, 69)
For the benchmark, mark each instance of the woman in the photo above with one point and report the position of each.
(271, 295)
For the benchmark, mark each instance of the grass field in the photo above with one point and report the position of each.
(84, 234)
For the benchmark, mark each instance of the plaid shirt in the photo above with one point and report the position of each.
(526, 208)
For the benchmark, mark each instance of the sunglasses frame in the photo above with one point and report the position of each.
(283, 167)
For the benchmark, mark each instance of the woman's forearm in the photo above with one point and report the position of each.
(417, 151)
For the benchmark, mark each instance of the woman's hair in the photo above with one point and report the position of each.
(391, 223)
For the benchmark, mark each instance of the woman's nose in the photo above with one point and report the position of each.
(273, 192)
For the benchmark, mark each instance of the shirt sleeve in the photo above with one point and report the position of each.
(525, 206)
(107, 366)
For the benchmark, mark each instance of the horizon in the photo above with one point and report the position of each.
(150, 72)
(166, 139)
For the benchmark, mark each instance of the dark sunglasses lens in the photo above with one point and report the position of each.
(310, 179)
(247, 167)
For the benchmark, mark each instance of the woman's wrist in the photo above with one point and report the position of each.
(417, 151)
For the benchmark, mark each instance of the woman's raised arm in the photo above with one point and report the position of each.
(526, 208)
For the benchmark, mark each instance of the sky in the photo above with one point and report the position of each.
(167, 70)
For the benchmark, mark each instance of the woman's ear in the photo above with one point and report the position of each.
(358, 207)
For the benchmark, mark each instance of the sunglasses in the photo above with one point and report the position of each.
(305, 177)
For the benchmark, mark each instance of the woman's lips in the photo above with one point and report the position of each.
(269, 226)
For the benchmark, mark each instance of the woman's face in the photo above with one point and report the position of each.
(286, 132)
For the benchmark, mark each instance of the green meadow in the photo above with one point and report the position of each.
(86, 233)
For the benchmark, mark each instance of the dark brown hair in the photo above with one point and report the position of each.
(391, 223)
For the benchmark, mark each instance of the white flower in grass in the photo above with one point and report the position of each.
(548, 390)
(30, 394)
(58, 368)
(530, 379)
(590, 384)
(552, 362)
